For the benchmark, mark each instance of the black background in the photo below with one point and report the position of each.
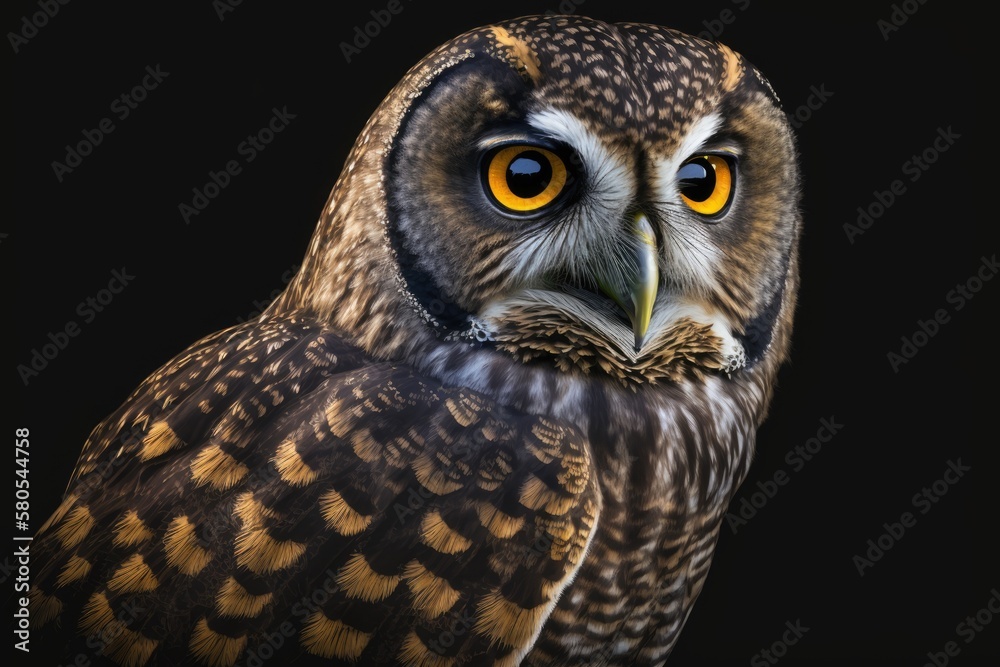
(790, 562)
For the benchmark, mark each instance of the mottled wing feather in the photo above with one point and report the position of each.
(283, 495)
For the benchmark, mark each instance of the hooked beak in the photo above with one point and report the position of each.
(635, 290)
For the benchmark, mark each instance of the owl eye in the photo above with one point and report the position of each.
(706, 183)
(524, 178)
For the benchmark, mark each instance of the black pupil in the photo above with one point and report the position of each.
(697, 179)
(529, 174)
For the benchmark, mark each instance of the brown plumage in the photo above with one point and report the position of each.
(454, 439)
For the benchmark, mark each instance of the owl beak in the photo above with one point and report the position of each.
(635, 289)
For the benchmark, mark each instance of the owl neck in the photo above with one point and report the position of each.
(350, 279)
(642, 440)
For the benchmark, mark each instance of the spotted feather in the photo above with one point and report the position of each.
(384, 549)
(465, 434)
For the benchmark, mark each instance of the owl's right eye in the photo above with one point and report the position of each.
(524, 178)
(706, 183)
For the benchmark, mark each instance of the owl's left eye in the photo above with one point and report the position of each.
(524, 178)
(706, 183)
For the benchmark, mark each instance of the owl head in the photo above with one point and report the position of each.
(616, 200)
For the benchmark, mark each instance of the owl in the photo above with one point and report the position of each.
(497, 416)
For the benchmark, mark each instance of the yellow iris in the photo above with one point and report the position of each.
(525, 178)
(710, 194)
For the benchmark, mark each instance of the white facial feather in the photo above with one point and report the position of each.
(694, 142)
(689, 256)
(593, 227)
